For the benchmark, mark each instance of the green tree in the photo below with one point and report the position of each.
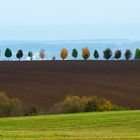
(30, 54)
(19, 54)
(128, 54)
(107, 53)
(118, 54)
(74, 53)
(96, 54)
(137, 54)
(8, 53)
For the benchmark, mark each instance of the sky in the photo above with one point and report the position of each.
(69, 19)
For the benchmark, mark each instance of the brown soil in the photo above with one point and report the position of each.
(43, 83)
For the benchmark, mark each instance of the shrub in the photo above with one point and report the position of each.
(128, 54)
(118, 54)
(32, 111)
(107, 53)
(96, 54)
(85, 53)
(64, 53)
(73, 104)
(96, 104)
(10, 107)
(4, 104)
(104, 105)
(16, 108)
(74, 53)
(137, 54)
(13, 107)
(118, 108)
(90, 104)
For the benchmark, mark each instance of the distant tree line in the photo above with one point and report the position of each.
(86, 53)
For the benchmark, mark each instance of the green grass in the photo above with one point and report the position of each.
(82, 126)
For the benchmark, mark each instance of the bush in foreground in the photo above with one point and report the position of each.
(32, 111)
(13, 107)
(73, 104)
(10, 107)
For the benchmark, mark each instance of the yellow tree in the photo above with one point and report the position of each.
(85, 53)
(64, 53)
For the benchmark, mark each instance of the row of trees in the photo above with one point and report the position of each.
(19, 54)
(107, 54)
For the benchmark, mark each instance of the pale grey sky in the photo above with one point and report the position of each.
(69, 19)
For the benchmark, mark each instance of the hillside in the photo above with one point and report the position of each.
(42, 83)
(107, 125)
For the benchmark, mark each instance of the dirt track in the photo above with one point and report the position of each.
(43, 83)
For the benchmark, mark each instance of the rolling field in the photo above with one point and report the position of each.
(82, 126)
(43, 83)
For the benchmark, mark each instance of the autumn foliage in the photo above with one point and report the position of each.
(64, 53)
(85, 53)
(73, 104)
(42, 54)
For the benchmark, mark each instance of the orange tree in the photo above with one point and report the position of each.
(64, 53)
(85, 53)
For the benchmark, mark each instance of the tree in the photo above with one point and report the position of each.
(128, 54)
(19, 54)
(64, 53)
(53, 58)
(42, 54)
(96, 54)
(137, 54)
(74, 53)
(30, 54)
(8, 53)
(107, 53)
(85, 53)
(118, 54)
